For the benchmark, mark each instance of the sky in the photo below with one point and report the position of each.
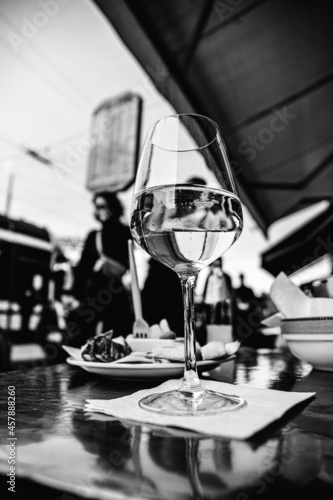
(58, 63)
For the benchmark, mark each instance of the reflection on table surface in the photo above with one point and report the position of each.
(93, 455)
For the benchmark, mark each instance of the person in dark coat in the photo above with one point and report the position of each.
(162, 297)
(246, 314)
(100, 295)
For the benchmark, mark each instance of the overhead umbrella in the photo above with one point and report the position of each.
(307, 245)
(263, 70)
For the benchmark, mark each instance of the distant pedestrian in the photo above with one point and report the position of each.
(100, 296)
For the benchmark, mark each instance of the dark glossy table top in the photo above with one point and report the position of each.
(92, 455)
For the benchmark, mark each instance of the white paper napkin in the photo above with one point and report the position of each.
(292, 302)
(263, 406)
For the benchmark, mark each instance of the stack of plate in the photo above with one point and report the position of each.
(311, 340)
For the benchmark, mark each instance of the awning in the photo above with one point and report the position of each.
(263, 70)
(302, 248)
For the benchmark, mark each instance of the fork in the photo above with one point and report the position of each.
(140, 326)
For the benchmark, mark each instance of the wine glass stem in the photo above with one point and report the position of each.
(191, 388)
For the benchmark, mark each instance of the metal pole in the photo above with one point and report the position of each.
(9, 195)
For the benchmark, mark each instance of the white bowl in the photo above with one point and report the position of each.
(315, 349)
(147, 345)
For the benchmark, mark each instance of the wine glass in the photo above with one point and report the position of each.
(186, 213)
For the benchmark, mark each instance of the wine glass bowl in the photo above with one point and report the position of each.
(186, 213)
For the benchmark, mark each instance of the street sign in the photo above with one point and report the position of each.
(115, 135)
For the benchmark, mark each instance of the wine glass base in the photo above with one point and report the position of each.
(173, 403)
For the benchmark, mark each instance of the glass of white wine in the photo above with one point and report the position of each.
(186, 213)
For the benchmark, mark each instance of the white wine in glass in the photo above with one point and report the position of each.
(186, 213)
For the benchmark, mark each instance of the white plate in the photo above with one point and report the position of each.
(142, 371)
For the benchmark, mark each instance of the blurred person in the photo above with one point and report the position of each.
(100, 298)
(243, 295)
(218, 285)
